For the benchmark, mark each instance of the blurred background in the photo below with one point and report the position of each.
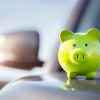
(29, 33)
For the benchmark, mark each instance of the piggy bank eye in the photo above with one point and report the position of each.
(74, 45)
(86, 44)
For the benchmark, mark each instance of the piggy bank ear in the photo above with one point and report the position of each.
(93, 33)
(65, 35)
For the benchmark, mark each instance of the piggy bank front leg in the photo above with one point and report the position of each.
(91, 75)
(71, 75)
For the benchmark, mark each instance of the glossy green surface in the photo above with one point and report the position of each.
(79, 53)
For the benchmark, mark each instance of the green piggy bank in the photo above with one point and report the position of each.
(79, 53)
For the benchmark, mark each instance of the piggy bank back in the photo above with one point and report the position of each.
(79, 53)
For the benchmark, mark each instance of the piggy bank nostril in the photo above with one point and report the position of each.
(77, 57)
(83, 57)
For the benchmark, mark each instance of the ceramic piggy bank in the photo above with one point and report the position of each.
(79, 53)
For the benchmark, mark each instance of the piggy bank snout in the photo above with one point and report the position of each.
(78, 56)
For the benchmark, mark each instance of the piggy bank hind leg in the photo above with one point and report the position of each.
(91, 75)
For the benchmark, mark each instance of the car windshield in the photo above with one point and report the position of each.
(29, 33)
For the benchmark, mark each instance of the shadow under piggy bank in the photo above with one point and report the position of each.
(83, 85)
